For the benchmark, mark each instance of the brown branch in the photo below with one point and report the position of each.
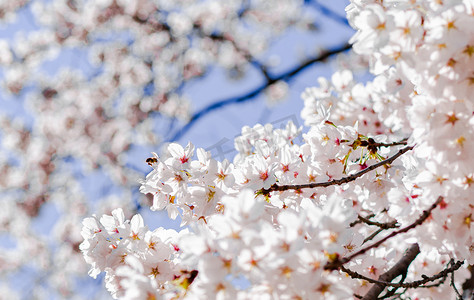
(468, 285)
(453, 284)
(388, 225)
(402, 142)
(400, 268)
(370, 237)
(336, 264)
(370, 142)
(414, 284)
(343, 180)
(373, 146)
(285, 76)
(358, 221)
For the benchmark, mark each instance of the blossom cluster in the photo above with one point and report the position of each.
(277, 245)
(288, 220)
(241, 244)
(126, 250)
(129, 63)
(422, 55)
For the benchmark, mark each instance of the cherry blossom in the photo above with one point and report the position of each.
(374, 200)
(295, 210)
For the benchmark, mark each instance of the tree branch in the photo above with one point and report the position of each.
(388, 225)
(286, 76)
(373, 235)
(343, 180)
(454, 285)
(414, 284)
(358, 221)
(468, 285)
(329, 13)
(336, 264)
(402, 142)
(400, 268)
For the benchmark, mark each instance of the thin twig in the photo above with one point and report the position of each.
(414, 284)
(336, 264)
(400, 268)
(343, 180)
(400, 143)
(358, 221)
(452, 282)
(370, 237)
(388, 225)
(330, 14)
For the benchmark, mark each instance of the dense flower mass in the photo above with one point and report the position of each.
(86, 83)
(291, 220)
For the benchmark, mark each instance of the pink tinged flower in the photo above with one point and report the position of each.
(342, 80)
(447, 29)
(264, 148)
(180, 154)
(276, 92)
(114, 222)
(194, 245)
(292, 230)
(157, 249)
(134, 282)
(253, 261)
(95, 245)
(374, 26)
(163, 272)
(401, 205)
(137, 228)
(162, 201)
(409, 29)
(259, 172)
(375, 263)
(91, 227)
(224, 175)
(221, 289)
(228, 232)
(204, 160)
(212, 268)
(154, 184)
(290, 132)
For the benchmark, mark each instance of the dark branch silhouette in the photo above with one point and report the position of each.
(340, 181)
(453, 285)
(328, 12)
(392, 224)
(400, 268)
(382, 226)
(468, 285)
(358, 221)
(285, 76)
(402, 142)
(337, 263)
(373, 235)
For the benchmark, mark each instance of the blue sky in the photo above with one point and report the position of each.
(220, 126)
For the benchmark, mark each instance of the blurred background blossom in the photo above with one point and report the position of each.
(90, 88)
